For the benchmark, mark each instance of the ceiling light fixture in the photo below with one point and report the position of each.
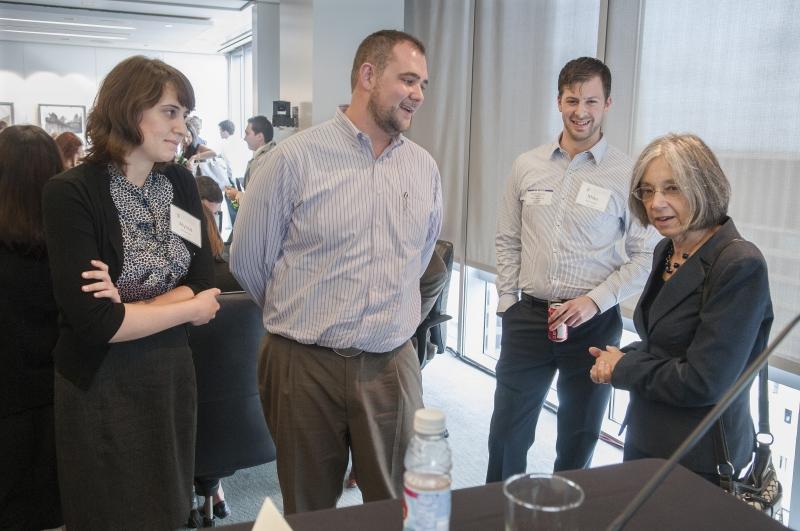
(68, 23)
(105, 37)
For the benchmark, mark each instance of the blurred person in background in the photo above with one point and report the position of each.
(211, 197)
(194, 149)
(71, 147)
(29, 496)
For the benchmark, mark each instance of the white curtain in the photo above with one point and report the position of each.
(442, 125)
(494, 68)
(729, 72)
(520, 47)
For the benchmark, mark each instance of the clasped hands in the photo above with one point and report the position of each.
(604, 363)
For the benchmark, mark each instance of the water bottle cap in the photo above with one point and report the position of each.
(429, 421)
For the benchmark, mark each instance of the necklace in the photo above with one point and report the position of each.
(671, 267)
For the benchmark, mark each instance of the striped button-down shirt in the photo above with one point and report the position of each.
(332, 242)
(560, 226)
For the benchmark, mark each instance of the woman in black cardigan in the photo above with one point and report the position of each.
(124, 384)
(704, 315)
(29, 496)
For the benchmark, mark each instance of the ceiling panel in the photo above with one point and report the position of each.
(199, 26)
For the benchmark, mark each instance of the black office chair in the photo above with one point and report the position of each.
(231, 431)
(434, 322)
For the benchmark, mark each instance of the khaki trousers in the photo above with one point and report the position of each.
(320, 406)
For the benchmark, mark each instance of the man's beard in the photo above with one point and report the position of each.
(385, 118)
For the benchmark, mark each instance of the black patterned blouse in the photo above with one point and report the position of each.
(156, 259)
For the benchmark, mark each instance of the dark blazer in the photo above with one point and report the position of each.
(691, 351)
(82, 224)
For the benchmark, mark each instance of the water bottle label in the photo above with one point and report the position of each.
(426, 510)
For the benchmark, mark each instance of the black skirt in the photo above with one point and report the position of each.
(126, 446)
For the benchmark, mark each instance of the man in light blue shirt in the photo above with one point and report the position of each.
(335, 230)
(559, 229)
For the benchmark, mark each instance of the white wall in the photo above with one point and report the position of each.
(33, 73)
(339, 27)
(297, 38)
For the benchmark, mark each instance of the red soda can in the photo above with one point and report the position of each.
(560, 333)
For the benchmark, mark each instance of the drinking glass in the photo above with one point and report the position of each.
(541, 501)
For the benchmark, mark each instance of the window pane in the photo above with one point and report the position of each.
(740, 95)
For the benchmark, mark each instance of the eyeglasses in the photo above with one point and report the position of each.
(647, 193)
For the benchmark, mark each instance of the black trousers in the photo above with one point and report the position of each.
(528, 362)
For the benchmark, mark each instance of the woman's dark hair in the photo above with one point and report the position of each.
(133, 86)
(69, 143)
(28, 158)
(210, 191)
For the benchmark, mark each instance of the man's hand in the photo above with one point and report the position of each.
(232, 193)
(573, 312)
(605, 362)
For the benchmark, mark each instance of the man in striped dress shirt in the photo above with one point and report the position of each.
(335, 230)
(563, 216)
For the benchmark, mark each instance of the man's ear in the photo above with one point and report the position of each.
(366, 76)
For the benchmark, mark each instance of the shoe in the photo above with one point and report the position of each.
(221, 509)
(195, 520)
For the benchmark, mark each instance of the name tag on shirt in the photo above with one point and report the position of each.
(593, 197)
(185, 225)
(537, 197)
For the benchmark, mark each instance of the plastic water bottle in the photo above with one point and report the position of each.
(426, 493)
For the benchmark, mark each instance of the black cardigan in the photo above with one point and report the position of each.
(82, 224)
(28, 328)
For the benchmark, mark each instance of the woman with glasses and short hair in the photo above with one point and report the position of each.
(125, 395)
(704, 315)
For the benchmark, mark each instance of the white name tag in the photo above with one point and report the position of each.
(185, 225)
(593, 197)
(537, 197)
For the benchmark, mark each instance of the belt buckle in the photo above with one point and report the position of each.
(350, 352)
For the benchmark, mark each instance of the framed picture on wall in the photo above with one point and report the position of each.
(56, 119)
(7, 113)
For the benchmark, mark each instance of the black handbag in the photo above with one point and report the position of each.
(759, 486)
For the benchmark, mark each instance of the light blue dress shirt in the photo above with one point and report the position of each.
(332, 242)
(564, 228)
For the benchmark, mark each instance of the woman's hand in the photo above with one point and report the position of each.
(191, 164)
(605, 362)
(205, 306)
(103, 288)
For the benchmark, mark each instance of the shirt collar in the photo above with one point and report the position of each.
(597, 151)
(263, 149)
(118, 177)
(359, 137)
